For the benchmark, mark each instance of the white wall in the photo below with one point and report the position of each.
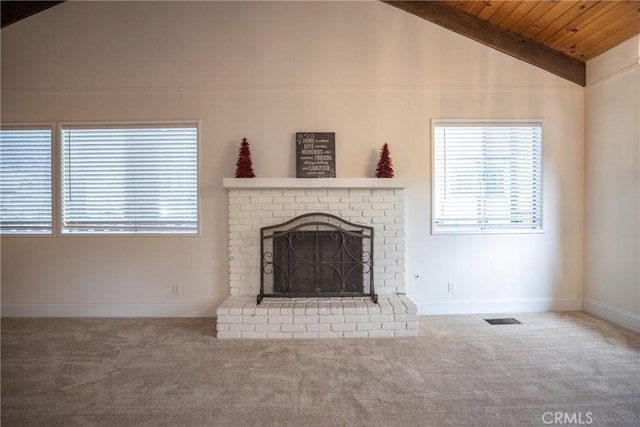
(369, 72)
(612, 185)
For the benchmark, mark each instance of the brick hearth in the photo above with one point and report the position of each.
(393, 316)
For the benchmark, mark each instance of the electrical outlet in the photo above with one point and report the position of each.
(452, 287)
(177, 290)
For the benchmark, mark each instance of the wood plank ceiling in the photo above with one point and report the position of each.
(558, 36)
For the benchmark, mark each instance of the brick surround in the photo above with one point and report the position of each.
(255, 203)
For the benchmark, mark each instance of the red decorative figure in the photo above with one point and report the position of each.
(244, 166)
(385, 167)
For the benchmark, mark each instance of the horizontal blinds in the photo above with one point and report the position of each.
(25, 181)
(130, 180)
(487, 176)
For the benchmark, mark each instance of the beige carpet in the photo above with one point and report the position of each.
(459, 372)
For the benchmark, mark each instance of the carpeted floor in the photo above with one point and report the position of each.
(459, 372)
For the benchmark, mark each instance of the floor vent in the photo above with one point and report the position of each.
(506, 321)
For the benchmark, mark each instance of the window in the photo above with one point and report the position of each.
(25, 181)
(487, 177)
(130, 179)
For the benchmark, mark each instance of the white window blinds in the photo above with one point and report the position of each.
(134, 179)
(25, 181)
(487, 176)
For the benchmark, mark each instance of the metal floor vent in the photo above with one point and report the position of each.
(505, 321)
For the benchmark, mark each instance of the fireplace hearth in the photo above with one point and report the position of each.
(317, 255)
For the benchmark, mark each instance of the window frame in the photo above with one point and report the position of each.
(124, 124)
(52, 170)
(479, 231)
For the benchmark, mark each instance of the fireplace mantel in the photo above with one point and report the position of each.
(250, 183)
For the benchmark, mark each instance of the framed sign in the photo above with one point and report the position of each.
(315, 155)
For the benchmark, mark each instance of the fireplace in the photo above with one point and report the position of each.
(317, 255)
(280, 246)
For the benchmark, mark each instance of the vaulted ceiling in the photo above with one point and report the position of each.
(556, 35)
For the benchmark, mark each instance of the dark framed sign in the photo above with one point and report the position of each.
(315, 155)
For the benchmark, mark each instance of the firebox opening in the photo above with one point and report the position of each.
(317, 263)
(317, 255)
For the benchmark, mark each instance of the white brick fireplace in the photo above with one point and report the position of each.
(259, 202)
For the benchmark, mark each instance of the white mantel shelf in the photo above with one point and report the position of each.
(314, 183)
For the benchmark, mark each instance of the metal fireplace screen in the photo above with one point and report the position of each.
(316, 255)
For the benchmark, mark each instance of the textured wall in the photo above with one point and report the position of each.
(266, 70)
(612, 186)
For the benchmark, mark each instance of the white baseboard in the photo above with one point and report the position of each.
(624, 319)
(613, 314)
(537, 305)
(108, 310)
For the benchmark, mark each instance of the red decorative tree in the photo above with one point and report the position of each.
(385, 167)
(244, 166)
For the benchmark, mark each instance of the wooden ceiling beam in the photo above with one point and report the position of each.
(14, 11)
(497, 38)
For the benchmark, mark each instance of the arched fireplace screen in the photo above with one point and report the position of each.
(316, 255)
